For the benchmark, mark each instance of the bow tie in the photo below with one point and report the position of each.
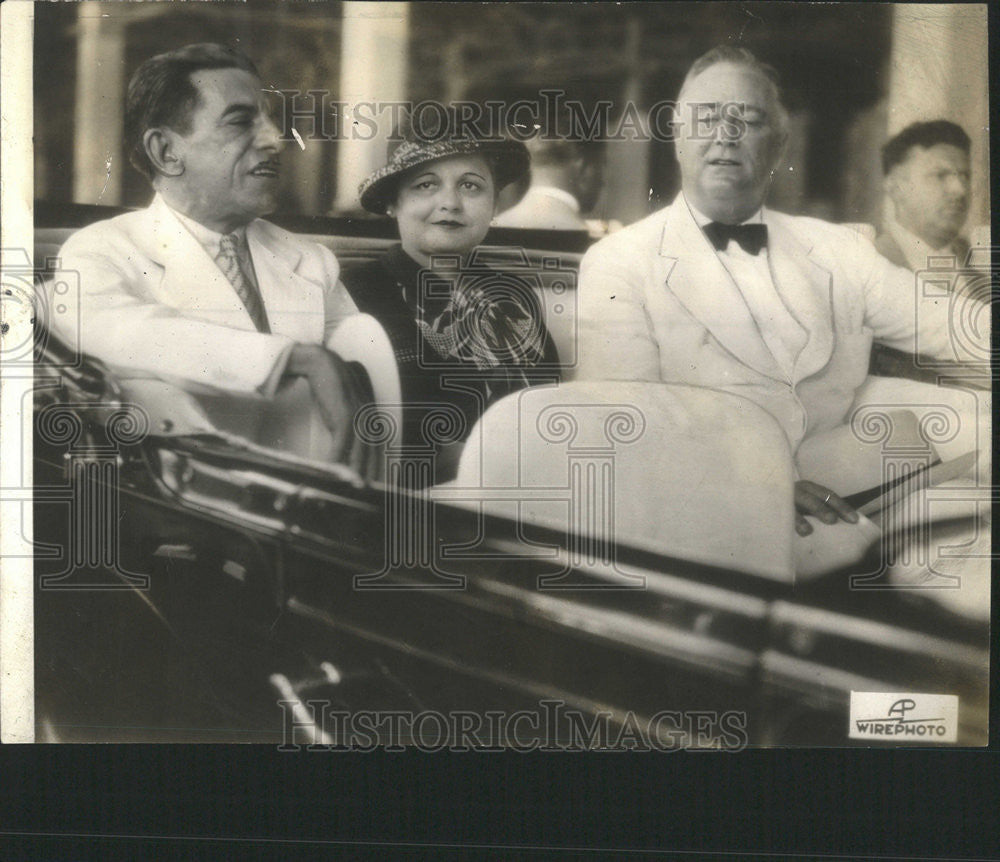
(751, 237)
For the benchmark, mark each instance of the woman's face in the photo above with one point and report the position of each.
(444, 206)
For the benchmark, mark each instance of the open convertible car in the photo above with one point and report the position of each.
(194, 587)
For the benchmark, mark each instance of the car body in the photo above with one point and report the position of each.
(193, 587)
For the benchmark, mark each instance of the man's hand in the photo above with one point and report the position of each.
(813, 499)
(337, 395)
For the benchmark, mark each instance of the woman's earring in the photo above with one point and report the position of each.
(390, 211)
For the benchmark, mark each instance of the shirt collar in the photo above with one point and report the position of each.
(915, 250)
(207, 238)
(701, 219)
(559, 194)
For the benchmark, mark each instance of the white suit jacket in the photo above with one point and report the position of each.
(151, 299)
(657, 304)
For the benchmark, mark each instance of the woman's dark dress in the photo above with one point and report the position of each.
(459, 349)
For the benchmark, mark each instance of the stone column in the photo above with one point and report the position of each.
(373, 62)
(100, 96)
(626, 191)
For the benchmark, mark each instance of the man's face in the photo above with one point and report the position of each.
(730, 141)
(930, 191)
(229, 154)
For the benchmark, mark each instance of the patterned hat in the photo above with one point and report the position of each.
(436, 139)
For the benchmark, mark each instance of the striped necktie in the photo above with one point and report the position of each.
(229, 262)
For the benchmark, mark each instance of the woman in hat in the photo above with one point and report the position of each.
(464, 334)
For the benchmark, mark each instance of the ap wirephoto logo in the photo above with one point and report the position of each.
(904, 717)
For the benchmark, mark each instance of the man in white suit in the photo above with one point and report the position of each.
(718, 291)
(566, 180)
(197, 287)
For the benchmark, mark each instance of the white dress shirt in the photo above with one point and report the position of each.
(916, 250)
(210, 240)
(558, 194)
(782, 333)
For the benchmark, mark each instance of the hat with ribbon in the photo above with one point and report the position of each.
(437, 135)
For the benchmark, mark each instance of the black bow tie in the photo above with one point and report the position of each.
(751, 237)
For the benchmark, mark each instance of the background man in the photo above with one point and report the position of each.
(566, 180)
(926, 168)
(196, 286)
(717, 291)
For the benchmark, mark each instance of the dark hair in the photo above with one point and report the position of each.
(161, 93)
(925, 136)
(559, 143)
(564, 152)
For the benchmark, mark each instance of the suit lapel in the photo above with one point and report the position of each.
(294, 304)
(806, 288)
(696, 276)
(192, 282)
